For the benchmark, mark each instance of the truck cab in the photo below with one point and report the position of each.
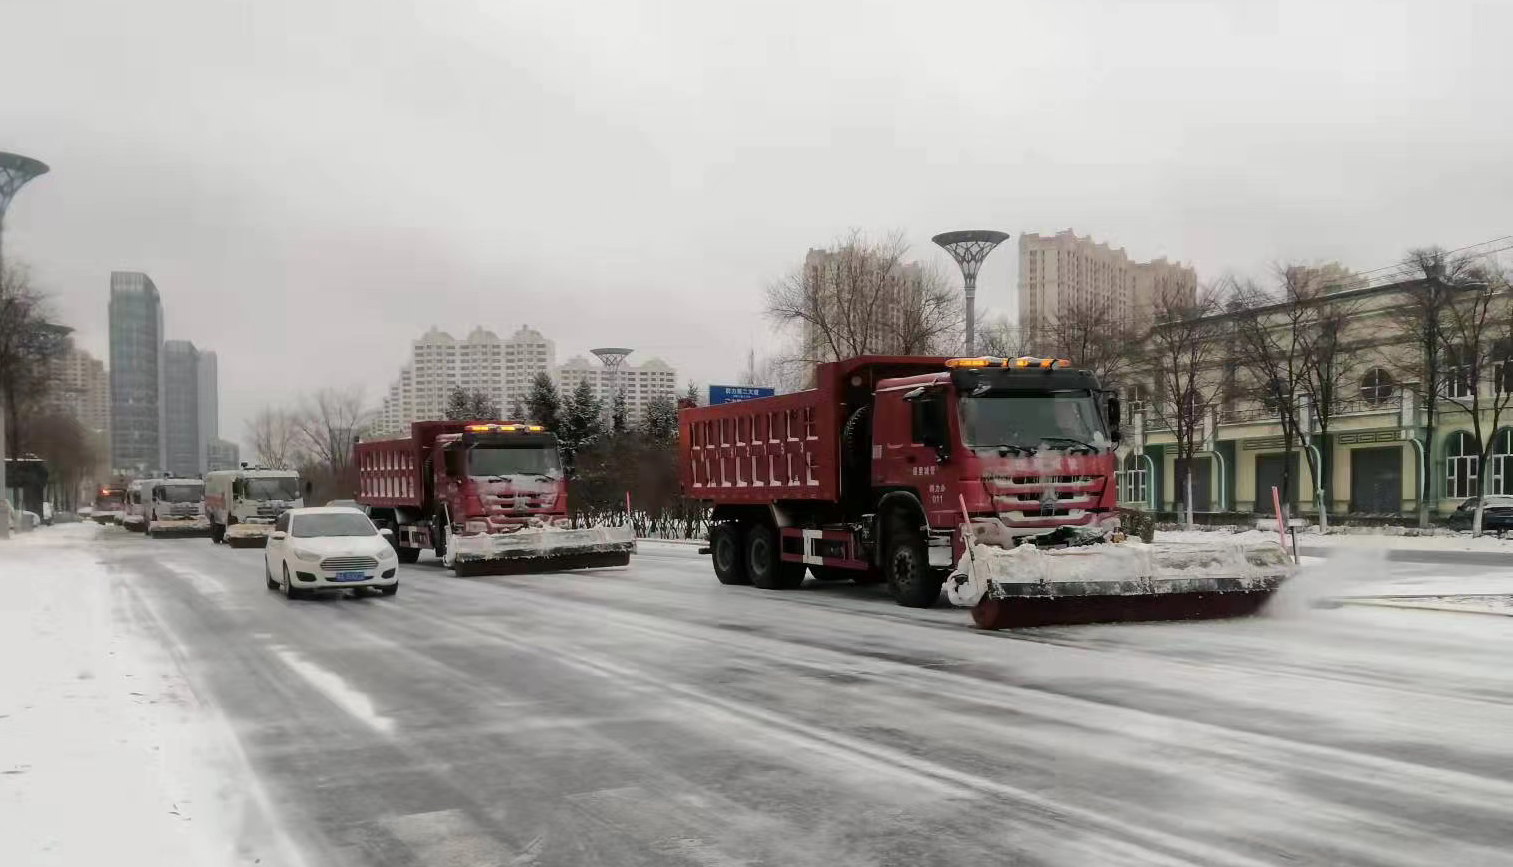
(134, 512)
(242, 504)
(493, 480)
(176, 506)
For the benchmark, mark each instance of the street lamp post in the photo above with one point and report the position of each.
(15, 172)
(969, 247)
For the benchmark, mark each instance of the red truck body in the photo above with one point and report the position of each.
(882, 450)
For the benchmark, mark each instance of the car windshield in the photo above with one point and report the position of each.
(332, 524)
(181, 493)
(279, 488)
(1055, 420)
(532, 460)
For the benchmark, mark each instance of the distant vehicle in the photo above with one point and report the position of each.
(176, 507)
(110, 504)
(85, 511)
(47, 514)
(321, 549)
(347, 504)
(242, 504)
(487, 497)
(1496, 516)
(134, 516)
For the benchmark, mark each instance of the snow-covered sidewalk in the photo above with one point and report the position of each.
(106, 755)
(1363, 538)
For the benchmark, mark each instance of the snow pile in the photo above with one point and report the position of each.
(541, 542)
(1125, 569)
(106, 754)
(1489, 603)
(1313, 539)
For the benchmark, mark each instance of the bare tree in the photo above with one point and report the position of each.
(275, 438)
(1000, 337)
(860, 297)
(1478, 331)
(1183, 350)
(29, 346)
(328, 423)
(1418, 354)
(1092, 336)
(1329, 365)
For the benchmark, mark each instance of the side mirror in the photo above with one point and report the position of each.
(279, 536)
(385, 531)
(309, 486)
(1114, 417)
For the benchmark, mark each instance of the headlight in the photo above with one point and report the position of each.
(302, 554)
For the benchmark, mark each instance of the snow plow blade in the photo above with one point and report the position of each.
(1116, 582)
(542, 550)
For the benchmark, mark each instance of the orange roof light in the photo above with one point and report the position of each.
(536, 428)
(1023, 361)
(979, 361)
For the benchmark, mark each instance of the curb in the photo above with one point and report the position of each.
(1401, 604)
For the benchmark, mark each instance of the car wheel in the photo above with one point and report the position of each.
(288, 585)
(268, 575)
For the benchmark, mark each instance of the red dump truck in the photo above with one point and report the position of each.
(889, 464)
(488, 497)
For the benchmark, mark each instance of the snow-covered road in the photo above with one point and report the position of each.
(650, 716)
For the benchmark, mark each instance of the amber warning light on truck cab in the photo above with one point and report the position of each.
(1021, 361)
(477, 428)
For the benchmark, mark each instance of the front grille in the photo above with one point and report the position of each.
(348, 564)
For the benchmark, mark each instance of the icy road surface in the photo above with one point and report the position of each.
(649, 716)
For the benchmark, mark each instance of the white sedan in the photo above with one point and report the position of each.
(329, 549)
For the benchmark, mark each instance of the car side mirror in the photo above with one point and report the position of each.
(385, 531)
(279, 535)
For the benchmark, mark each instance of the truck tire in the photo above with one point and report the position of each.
(763, 563)
(407, 555)
(217, 533)
(906, 565)
(727, 551)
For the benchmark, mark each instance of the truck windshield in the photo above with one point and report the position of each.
(181, 493)
(1058, 420)
(284, 488)
(533, 460)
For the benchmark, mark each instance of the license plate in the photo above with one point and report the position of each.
(350, 576)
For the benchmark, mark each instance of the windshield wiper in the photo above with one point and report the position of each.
(1016, 448)
(1073, 440)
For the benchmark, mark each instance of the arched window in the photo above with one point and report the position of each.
(1132, 480)
(1377, 386)
(1460, 465)
(1502, 463)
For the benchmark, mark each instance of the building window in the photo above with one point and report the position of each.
(1377, 386)
(1132, 479)
(1502, 463)
(1460, 465)
(1458, 374)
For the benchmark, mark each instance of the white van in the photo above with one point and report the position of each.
(176, 507)
(243, 504)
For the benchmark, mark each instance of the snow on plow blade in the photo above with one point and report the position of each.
(248, 535)
(542, 550)
(1103, 583)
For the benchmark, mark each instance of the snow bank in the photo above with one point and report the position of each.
(106, 754)
(1362, 537)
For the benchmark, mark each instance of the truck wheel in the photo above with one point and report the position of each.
(907, 567)
(766, 568)
(726, 550)
(407, 555)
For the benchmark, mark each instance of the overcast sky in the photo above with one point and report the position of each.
(312, 183)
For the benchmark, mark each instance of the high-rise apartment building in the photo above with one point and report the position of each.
(867, 309)
(136, 373)
(181, 407)
(501, 369)
(1062, 273)
(642, 382)
(209, 376)
(82, 389)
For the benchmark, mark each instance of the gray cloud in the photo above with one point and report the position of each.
(311, 183)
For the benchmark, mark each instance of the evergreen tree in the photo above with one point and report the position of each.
(659, 419)
(582, 422)
(518, 411)
(482, 406)
(619, 414)
(459, 405)
(543, 405)
(692, 393)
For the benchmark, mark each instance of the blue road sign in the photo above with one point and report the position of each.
(719, 394)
